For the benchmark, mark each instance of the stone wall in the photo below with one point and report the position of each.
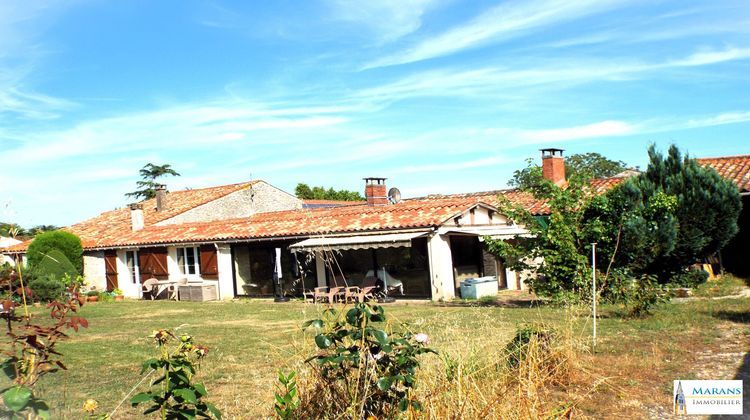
(94, 270)
(257, 198)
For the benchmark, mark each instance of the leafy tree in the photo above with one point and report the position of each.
(558, 242)
(149, 174)
(65, 242)
(304, 192)
(18, 232)
(590, 165)
(593, 165)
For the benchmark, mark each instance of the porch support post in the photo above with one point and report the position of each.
(441, 267)
(320, 269)
(224, 263)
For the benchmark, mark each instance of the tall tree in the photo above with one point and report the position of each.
(147, 186)
(675, 214)
(587, 165)
(304, 192)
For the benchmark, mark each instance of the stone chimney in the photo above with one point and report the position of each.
(136, 216)
(553, 166)
(375, 191)
(161, 197)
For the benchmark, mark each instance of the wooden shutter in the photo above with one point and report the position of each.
(110, 269)
(209, 262)
(153, 262)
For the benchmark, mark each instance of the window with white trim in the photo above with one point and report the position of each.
(131, 260)
(188, 259)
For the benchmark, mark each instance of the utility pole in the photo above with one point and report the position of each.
(593, 289)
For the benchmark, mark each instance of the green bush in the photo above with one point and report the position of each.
(46, 289)
(690, 278)
(517, 348)
(53, 263)
(65, 242)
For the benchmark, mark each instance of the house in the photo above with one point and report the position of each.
(235, 237)
(240, 237)
(6, 242)
(736, 169)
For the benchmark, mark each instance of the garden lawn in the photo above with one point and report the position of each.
(250, 340)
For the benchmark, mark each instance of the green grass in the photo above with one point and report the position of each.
(250, 340)
(723, 286)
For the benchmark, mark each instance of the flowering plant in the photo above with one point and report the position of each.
(174, 394)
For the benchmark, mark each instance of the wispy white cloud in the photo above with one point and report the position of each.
(720, 119)
(388, 20)
(503, 22)
(452, 166)
(706, 57)
(21, 25)
(554, 73)
(184, 126)
(599, 129)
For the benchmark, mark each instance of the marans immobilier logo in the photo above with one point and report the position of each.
(707, 397)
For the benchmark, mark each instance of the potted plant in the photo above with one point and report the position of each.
(118, 294)
(92, 296)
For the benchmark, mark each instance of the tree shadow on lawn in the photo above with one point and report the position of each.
(740, 317)
(743, 373)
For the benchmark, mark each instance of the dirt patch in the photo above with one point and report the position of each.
(158, 314)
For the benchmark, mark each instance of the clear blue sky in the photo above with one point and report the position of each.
(438, 96)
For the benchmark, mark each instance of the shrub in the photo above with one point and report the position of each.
(54, 263)
(691, 278)
(360, 370)
(65, 242)
(517, 348)
(174, 394)
(33, 354)
(47, 288)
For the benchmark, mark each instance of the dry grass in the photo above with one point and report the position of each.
(631, 371)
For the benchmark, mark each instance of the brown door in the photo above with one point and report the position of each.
(153, 263)
(110, 268)
(209, 264)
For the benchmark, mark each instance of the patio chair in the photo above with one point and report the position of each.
(368, 289)
(316, 295)
(391, 283)
(326, 294)
(150, 288)
(345, 292)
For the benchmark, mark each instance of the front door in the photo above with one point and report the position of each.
(110, 267)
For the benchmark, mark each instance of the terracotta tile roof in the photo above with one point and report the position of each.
(109, 226)
(313, 204)
(422, 213)
(733, 168)
(515, 196)
(602, 185)
(112, 229)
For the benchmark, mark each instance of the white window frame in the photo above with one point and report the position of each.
(184, 267)
(134, 275)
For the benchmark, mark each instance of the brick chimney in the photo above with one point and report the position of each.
(136, 216)
(553, 166)
(161, 197)
(375, 191)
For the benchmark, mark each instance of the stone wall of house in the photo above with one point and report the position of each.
(94, 270)
(258, 198)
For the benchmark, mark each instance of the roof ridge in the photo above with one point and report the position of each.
(252, 181)
(724, 157)
(464, 194)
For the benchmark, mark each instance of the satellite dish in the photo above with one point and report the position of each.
(394, 195)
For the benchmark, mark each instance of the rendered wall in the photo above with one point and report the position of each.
(258, 198)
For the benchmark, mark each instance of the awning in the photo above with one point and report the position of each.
(391, 240)
(494, 232)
